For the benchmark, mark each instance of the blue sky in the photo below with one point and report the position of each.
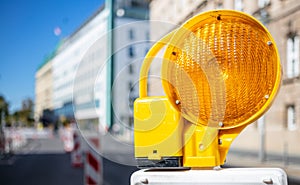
(27, 36)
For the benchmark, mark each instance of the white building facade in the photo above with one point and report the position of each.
(43, 90)
(81, 82)
(76, 67)
(130, 47)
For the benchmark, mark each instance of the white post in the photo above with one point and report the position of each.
(262, 130)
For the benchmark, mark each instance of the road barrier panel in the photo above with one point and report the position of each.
(93, 165)
(78, 150)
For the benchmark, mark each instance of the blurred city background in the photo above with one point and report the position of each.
(85, 72)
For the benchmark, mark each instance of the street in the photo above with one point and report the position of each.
(55, 169)
(36, 169)
(43, 161)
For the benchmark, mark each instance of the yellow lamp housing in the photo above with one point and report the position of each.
(221, 71)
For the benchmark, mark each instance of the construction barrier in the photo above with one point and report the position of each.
(67, 138)
(78, 150)
(85, 154)
(93, 165)
(14, 140)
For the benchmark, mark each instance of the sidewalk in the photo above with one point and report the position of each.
(250, 159)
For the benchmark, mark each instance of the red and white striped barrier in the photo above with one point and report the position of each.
(67, 138)
(14, 139)
(93, 165)
(77, 153)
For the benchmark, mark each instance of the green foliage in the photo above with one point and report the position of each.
(23, 117)
(4, 111)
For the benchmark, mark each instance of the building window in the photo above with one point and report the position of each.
(131, 103)
(97, 103)
(131, 34)
(219, 4)
(130, 86)
(292, 57)
(263, 3)
(238, 5)
(130, 121)
(291, 117)
(131, 71)
(132, 95)
(131, 51)
(146, 50)
(147, 36)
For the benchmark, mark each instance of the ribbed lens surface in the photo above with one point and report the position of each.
(223, 69)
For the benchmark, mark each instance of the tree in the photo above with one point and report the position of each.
(4, 111)
(25, 115)
(27, 104)
(4, 119)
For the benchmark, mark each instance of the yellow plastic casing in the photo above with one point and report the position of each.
(210, 66)
(206, 146)
(203, 137)
(198, 153)
(157, 128)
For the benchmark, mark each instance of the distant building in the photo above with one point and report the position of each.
(72, 69)
(43, 89)
(80, 64)
(131, 35)
(278, 131)
(75, 68)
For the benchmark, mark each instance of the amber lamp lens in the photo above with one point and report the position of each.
(221, 69)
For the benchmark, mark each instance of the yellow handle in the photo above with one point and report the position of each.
(148, 60)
